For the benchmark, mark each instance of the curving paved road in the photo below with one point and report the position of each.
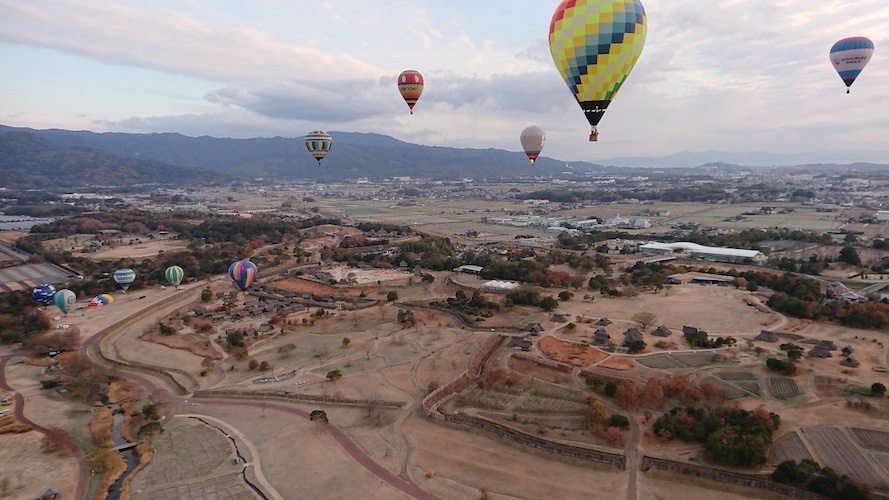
(70, 446)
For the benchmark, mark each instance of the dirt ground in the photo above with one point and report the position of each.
(465, 462)
(571, 352)
(317, 454)
(717, 310)
(31, 471)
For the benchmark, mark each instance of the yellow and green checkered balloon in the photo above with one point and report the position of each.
(595, 44)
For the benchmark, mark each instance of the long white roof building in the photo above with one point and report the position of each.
(717, 254)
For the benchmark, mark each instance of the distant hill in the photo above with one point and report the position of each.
(747, 158)
(353, 155)
(28, 161)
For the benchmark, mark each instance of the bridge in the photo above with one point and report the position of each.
(126, 446)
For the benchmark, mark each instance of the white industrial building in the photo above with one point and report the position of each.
(499, 286)
(695, 251)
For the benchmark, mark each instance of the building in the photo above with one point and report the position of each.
(713, 254)
(468, 269)
(662, 331)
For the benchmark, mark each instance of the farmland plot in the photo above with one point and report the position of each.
(789, 447)
(871, 439)
(783, 388)
(838, 452)
(735, 375)
(731, 391)
(660, 362)
(750, 386)
(695, 359)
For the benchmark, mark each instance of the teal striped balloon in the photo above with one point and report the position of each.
(124, 277)
(174, 275)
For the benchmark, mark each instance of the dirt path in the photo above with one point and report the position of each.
(70, 446)
(632, 451)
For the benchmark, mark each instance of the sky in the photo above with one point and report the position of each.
(727, 75)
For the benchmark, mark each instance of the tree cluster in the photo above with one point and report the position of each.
(809, 475)
(731, 436)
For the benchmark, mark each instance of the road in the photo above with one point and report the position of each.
(70, 446)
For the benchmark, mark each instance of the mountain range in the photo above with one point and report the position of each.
(31, 158)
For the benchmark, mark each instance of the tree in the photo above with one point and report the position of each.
(265, 366)
(598, 413)
(346, 342)
(548, 304)
(253, 364)
(318, 415)
(627, 394)
(392, 296)
(618, 421)
(849, 255)
(793, 351)
(645, 319)
(610, 389)
(334, 375)
(636, 346)
(206, 295)
(781, 366)
(653, 393)
(235, 339)
(239, 353)
(228, 302)
(563, 296)
(286, 349)
(877, 389)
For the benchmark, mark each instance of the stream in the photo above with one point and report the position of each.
(129, 455)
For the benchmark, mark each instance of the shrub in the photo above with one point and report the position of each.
(618, 421)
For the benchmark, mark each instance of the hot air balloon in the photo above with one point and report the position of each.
(533, 138)
(174, 275)
(43, 294)
(124, 277)
(595, 44)
(64, 300)
(242, 273)
(100, 300)
(318, 143)
(849, 56)
(410, 84)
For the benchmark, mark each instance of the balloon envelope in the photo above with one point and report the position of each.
(318, 143)
(100, 300)
(124, 277)
(595, 44)
(174, 275)
(410, 84)
(849, 56)
(533, 139)
(43, 294)
(64, 300)
(242, 273)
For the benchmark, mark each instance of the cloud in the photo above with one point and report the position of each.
(167, 40)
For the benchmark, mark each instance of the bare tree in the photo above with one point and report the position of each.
(644, 318)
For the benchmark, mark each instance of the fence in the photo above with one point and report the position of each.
(228, 394)
(726, 477)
